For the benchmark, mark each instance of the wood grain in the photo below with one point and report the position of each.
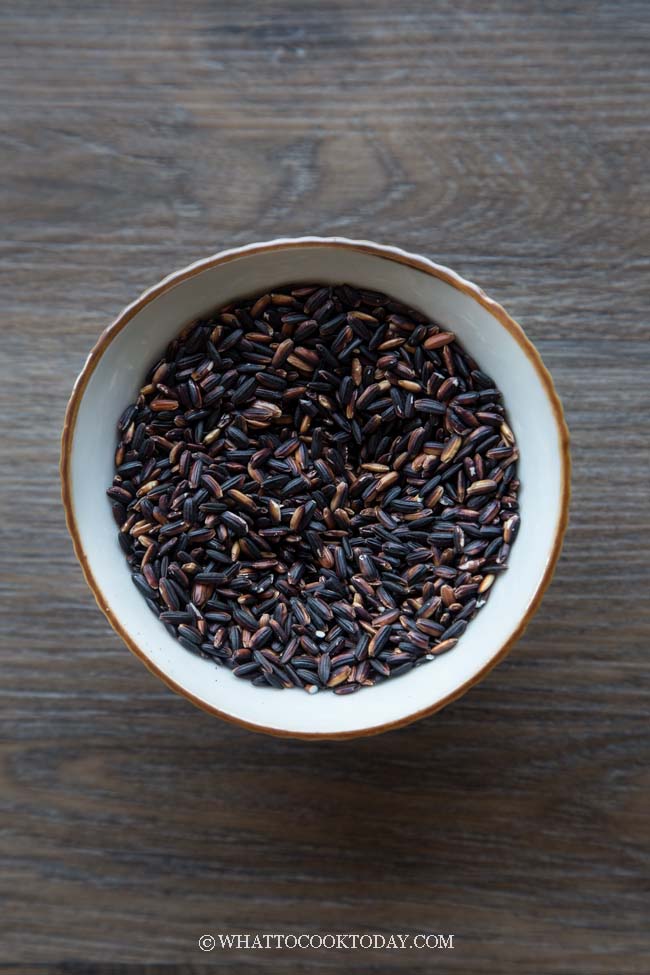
(509, 140)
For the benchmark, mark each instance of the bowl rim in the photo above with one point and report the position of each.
(385, 252)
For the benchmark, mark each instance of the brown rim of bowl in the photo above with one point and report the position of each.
(386, 253)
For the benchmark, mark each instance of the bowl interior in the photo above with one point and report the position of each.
(120, 372)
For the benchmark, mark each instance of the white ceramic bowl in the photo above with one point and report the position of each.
(114, 372)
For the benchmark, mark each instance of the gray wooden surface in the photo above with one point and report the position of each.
(507, 139)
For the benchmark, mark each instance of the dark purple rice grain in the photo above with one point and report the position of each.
(316, 487)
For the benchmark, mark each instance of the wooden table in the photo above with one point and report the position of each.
(509, 140)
